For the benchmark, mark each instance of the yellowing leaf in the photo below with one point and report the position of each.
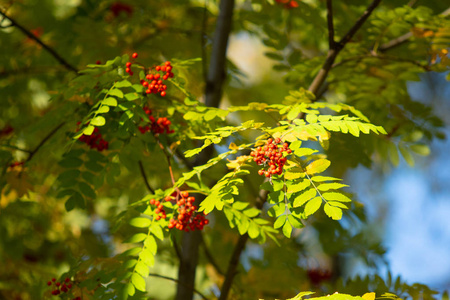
(318, 166)
(333, 212)
(304, 197)
(368, 296)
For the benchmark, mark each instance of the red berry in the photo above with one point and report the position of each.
(134, 55)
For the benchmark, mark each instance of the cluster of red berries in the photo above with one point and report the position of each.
(288, 3)
(271, 156)
(185, 217)
(61, 287)
(95, 140)
(16, 164)
(159, 211)
(161, 125)
(153, 81)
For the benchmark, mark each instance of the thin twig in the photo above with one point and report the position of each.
(209, 256)
(40, 42)
(178, 282)
(16, 148)
(45, 139)
(403, 38)
(332, 53)
(381, 57)
(144, 177)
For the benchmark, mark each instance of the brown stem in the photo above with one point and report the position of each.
(337, 47)
(210, 258)
(232, 266)
(144, 176)
(40, 42)
(403, 38)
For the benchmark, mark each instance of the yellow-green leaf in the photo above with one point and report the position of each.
(312, 206)
(304, 197)
(138, 282)
(333, 212)
(317, 166)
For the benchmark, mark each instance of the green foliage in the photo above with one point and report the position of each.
(72, 209)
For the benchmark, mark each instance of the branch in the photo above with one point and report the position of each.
(238, 249)
(177, 281)
(40, 42)
(381, 57)
(210, 258)
(144, 176)
(217, 67)
(331, 42)
(232, 266)
(45, 139)
(332, 53)
(404, 38)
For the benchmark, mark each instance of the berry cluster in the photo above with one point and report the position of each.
(161, 125)
(153, 81)
(159, 211)
(61, 287)
(271, 155)
(95, 140)
(185, 217)
(16, 164)
(288, 3)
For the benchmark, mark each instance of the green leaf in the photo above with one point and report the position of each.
(88, 130)
(420, 149)
(140, 222)
(142, 269)
(312, 206)
(131, 96)
(287, 229)
(304, 197)
(87, 190)
(323, 178)
(330, 196)
(393, 154)
(123, 83)
(147, 257)
(317, 166)
(103, 109)
(333, 212)
(330, 186)
(110, 101)
(130, 289)
(136, 238)
(157, 231)
(98, 121)
(138, 282)
(116, 92)
(294, 188)
(71, 162)
(253, 230)
(406, 155)
(150, 244)
(279, 222)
